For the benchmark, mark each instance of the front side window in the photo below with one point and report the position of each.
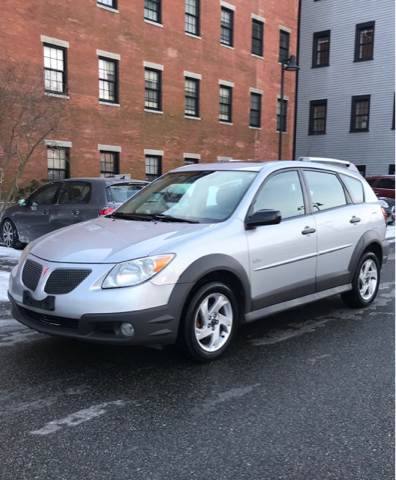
(225, 114)
(360, 113)
(283, 192)
(191, 91)
(281, 115)
(317, 117)
(321, 49)
(109, 163)
(108, 80)
(55, 69)
(45, 195)
(153, 167)
(227, 27)
(58, 163)
(152, 10)
(108, 3)
(325, 189)
(364, 42)
(153, 89)
(191, 19)
(196, 197)
(255, 110)
(354, 187)
(257, 37)
(284, 45)
(75, 193)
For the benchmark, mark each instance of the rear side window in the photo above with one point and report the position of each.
(386, 183)
(354, 187)
(45, 195)
(281, 192)
(119, 193)
(75, 192)
(325, 189)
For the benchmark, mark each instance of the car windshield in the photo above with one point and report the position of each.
(195, 197)
(119, 193)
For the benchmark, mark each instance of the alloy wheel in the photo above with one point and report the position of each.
(368, 279)
(8, 234)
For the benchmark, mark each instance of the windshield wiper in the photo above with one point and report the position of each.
(131, 216)
(169, 218)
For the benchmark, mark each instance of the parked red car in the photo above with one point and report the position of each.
(383, 185)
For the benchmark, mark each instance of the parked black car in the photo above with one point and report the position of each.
(388, 204)
(62, 203)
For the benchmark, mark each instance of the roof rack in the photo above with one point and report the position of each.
(330, 161)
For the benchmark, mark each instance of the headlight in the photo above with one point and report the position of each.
(137, 271)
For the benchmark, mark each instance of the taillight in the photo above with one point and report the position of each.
(106, 211)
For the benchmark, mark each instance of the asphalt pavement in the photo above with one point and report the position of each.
(303, 395)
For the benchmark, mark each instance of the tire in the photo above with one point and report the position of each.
(9, 234)
(206, 337)
(365, 282)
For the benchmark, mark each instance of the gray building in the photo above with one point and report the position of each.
(346, 83)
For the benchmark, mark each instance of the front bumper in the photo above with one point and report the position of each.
(153, 326)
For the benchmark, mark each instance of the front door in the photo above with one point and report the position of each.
(283, 256)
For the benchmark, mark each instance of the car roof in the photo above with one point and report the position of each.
(108, 180)
(262, 166)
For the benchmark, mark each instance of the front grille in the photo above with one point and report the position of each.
(31, 274)
(64, 280)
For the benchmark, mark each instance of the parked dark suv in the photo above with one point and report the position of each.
(63, 203)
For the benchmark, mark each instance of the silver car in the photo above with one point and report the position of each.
(203, 249)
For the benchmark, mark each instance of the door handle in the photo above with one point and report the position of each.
(76, 212)
(308, 230)
(355, 219)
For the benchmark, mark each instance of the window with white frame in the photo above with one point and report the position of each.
(109, 163)
(55, 78)
(58, 162)
(153, 166)
(108, 80)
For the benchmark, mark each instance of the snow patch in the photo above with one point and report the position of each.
(10, 253)
(4, 278)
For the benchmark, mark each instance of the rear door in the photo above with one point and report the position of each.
(74, 204)
(339, 223)
(283, 256)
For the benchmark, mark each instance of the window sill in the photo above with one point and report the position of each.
(315, 134)
(254, 128)
(155, 24)
(359, 131)
(108, 9)
(190, 117)
(109, 104)
(227, 46)
(57, 95)
(357, 60)
(225, 123)
(321, 66)
(260, 57)
(193, 36)
(158, 112)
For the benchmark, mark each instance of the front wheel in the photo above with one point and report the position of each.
(9, 234)
(365, 282)
(210, 322)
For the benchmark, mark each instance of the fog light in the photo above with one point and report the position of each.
(127, 329)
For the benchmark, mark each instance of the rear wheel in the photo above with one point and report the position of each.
(365, 282)
(9, 234)
(210, 322)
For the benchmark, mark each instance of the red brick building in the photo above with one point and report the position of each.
(149, 86)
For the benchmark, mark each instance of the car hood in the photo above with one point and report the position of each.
(106, 240)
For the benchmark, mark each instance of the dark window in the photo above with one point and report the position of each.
(55, 62)
(325, 189)
(109, 163)
(362, 169)
(152, 10)
(257, 37)
(284, 45)
(364, 42)
(153, 89)
(225, 94)
(191, 19)
(153, 167)
(191, 90)
(255, 110)
(58, 163)
(281, 116)
(227, 27)
(190, 161)
(75, 192)
(321, 49)
(355, 188)
(387, 183)
(108, 80)
(360, 113)
(45, 195)
(281, 192)
(317, 117)
(108, 3)
(391, 169)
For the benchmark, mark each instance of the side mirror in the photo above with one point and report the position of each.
(263, 217)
